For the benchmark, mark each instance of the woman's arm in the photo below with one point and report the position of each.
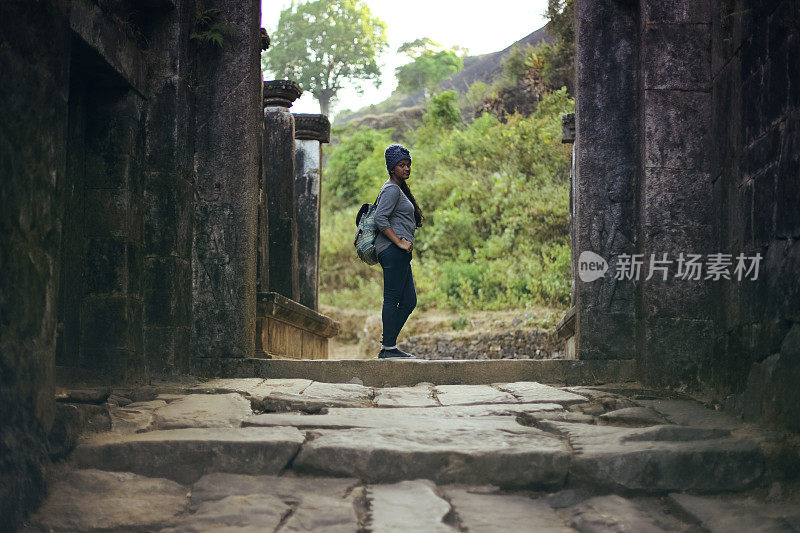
(386, 204)
(402, 243)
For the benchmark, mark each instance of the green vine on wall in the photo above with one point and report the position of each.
(208, 30)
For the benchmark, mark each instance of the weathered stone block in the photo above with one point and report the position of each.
(106, 267)
(676, 56)
(167, 292)
(763, 214)
(106, 213)
(185, 455)
(676, 129)
(605, 335)
(787, 210)
(135, 258)
(89, 500)
(226, 142)
(753, 104)
(495, 453)
(167, 348)
(674, 349)
(727, 126)
(780, 268)
(671, 11)
(167, 225)
(675, 197)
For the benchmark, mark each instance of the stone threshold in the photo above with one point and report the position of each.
(398, 373)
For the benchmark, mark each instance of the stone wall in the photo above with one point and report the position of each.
(755, 171)
(507, 344)
(34, 47)
(687, 142)
(122, 141)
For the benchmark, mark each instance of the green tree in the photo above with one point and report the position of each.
(559, 58)
(443, 110)
(428, 66)
(323, 43)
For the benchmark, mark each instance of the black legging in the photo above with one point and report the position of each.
(399, 296)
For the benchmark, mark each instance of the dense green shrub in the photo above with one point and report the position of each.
(356, 165)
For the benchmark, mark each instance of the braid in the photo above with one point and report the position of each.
(417, 210)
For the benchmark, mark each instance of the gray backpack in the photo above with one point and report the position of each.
(366, 232)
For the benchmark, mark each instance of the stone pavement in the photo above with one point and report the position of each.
(290, 455)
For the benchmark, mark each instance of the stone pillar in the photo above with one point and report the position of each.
(228, 117)
(606, 162)
(675, 191)
(310, 132)
(278, 180)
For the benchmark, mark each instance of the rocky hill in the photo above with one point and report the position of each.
(476, 68)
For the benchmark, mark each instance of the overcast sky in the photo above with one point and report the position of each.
(485, 26)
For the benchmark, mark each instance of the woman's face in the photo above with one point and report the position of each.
(402, 170)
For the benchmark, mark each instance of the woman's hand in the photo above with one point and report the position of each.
(406, 245)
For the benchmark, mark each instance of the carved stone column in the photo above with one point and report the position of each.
(310, 132)
(226, 132)
(278, 180)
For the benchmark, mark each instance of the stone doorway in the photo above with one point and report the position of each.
(100, 289)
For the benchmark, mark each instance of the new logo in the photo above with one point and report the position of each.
(591, 266)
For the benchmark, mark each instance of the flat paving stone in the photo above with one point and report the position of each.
(533, 392)
(134, 417)
(203, 411)
(314, 504)
(315, 397)
(323, 514)
(691, 413)
(719, 515)
(495, 513)
(616, 514)
(92, 500)
(471, 395)
(408, 506)
(251, 513)
(634, 416)
(410, 417)
(223, 385)
(286, 386)
(660, 458)
(221, 485)
(185, 455)
(419, 396)
(474, 451)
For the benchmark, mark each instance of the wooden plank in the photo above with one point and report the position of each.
(277, 338)
(314, 346)
(294, 342)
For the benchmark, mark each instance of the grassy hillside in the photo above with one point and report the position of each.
(495, 197)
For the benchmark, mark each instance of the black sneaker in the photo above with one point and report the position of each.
(394, 353)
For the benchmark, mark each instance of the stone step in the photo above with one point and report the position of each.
(394, 373)
(520, 434)
(468, 450)
(92, 500)
(185, 455)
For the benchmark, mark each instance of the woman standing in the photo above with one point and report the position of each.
(397, 216)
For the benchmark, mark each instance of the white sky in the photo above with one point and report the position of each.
(480, 26)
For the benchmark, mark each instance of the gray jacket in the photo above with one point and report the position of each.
(394, 211)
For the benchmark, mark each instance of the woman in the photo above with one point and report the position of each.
(397, 216)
